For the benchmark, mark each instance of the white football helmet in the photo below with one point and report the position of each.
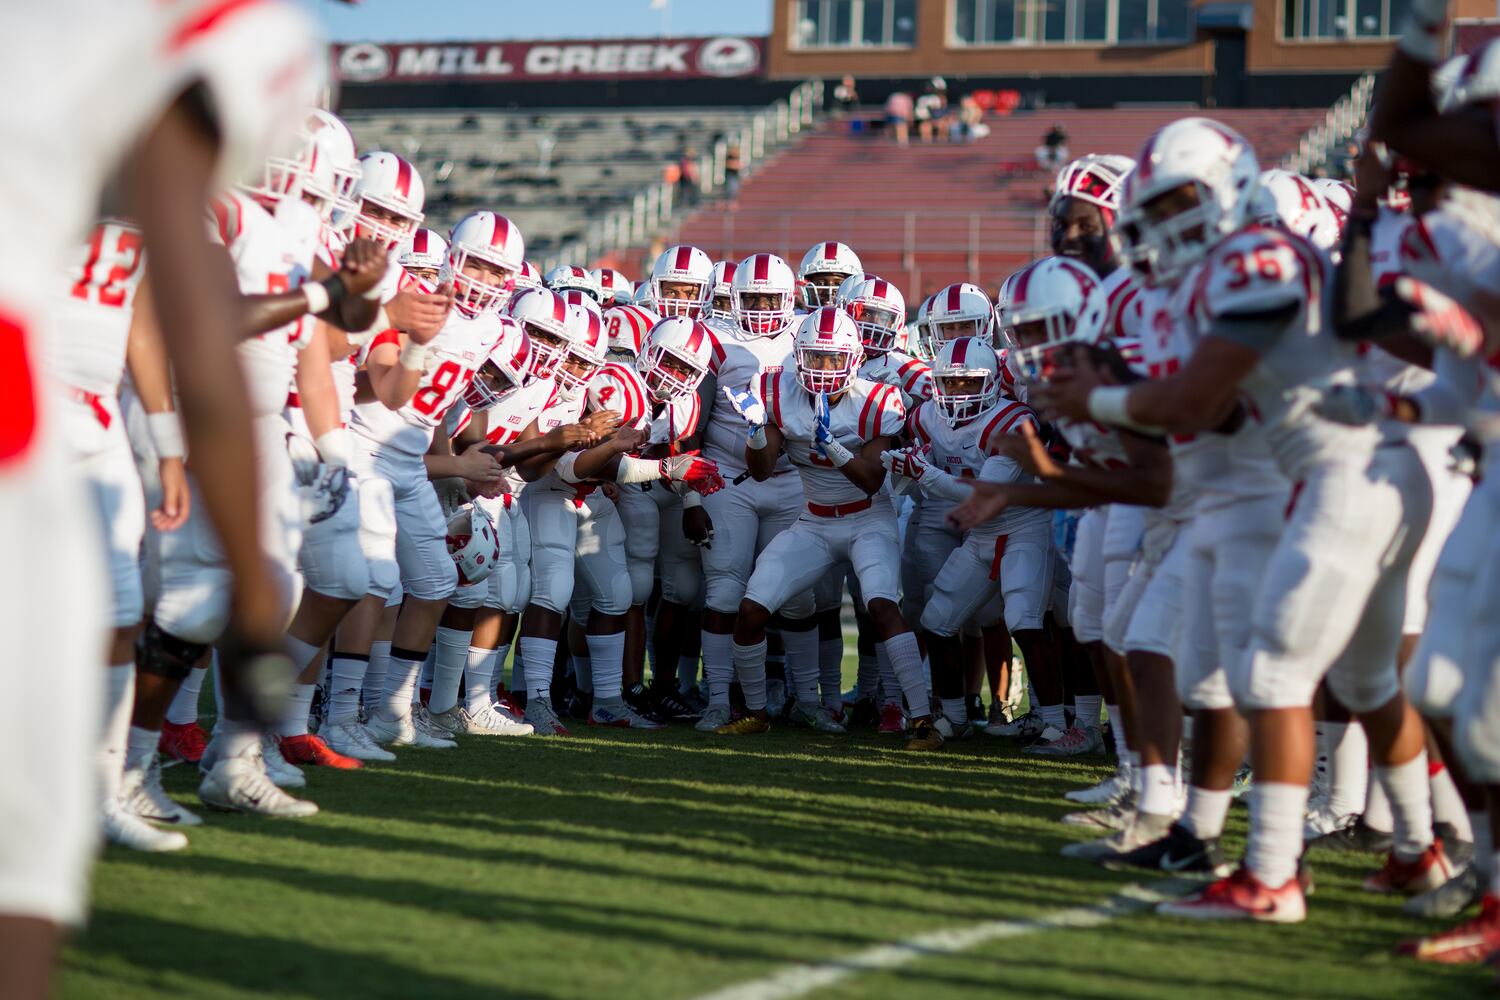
(391, 197)
(770, 281)
(824, 267)
(879, 310)
(473, 544)
(960, 310)
(494, 242)
(1476, 81)
(847, 287)
(644, 296)
(566, 277)
(626, 327)
(1212, 160)
(690, 272)
(543, 314)
(584, 352)
(304, 171)
(965, 379)
(506, 369)
(1098, 178)
(723, 294)
(337, 144)
(827, 349)
(614, 288)
(423, 255)
(1339, 195)
(530, 276)
(1053, 301)
(919, 334)
(1291, 201)
(675, 358)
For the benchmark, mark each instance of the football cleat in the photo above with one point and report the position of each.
(1026, 728)
(281, 772)
(312, 750)
(141, 795)
(440, 729)
(641, 703)
(892, 720)
(1428, 871)
(240, 784)
(667, 703)
(616, 714)
(1179, 851)
(925, 736)
(974, 707)
(352, 739)
(1000, 715)
(1143, 829)
(752, 724)
(1112, 817)
(1107, 792)
(492, 720)
(1471, 941)
(863, 712)
(1449, 899)
(508, 701)
(403, 732)
(186, 743)
(1242, 896)
(1078, 740)
(695, 699)
(775, 697)
(951, 730)
(714, 717)
(543, 720)
(1322, 820)
(1460, 852)
(129, 830)
(814, 715)
(1356, 836)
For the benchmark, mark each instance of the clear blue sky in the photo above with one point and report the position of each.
(459, 20)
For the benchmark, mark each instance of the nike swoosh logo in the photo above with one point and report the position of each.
(1170, 864)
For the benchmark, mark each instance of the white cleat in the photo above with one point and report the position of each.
(1321, 820)
(403, 732)
(1075, 742)
(1113, 817)
(282, 772)
(444, 726)
(240, 784)
(492, 720)
(352, 740)
(818, 717)
(775, 698)
(129, 830)
(1107, 792)
(713, 717)
(141, 795)
(951, 730)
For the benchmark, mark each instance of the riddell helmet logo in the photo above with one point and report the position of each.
(364, 62)
(728, 57)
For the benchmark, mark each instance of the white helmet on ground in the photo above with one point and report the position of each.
(497, 246)
(681, 282)
(965, 379)
(473, 543)
(824, 267)
(675, 357)
(764, 289)
(1053, 301)
(827, 349)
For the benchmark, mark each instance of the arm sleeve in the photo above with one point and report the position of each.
(565, 463)
(1361, 310)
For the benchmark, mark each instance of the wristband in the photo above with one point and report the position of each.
(375, 294)
(166, 434)
(413, 356)
(637, 470)
(335, 447)
(317, 297)
(1108, 404)
(691, 499)
(837, 454)
(757, 438)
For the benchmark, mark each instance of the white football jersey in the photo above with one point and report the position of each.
(618, 387)
(1121, 288)
(453, 357)
(92, 318)
(506, 421)
(912, 376)
(739, 361)
(969, 451)
(865, 411)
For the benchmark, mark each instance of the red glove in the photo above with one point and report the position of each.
(701, 475)
(1441, 321)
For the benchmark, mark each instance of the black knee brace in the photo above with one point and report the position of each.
(165, 655)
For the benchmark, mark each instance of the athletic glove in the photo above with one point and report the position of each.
(701, 475)
(1440, 320)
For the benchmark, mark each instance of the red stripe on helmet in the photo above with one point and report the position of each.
(559, 308)
(960, 350)
(205, 22)
(1023, 280)
(595, 329)
(955, 297)
(729, 268)
(830, 251)
(501, 234)
(827, 320)
(762, 267)
(695, 336)
(419, 241)
(684, 259)
(403, 178)
(882, 288)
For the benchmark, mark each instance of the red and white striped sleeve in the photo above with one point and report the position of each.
(916, 425)
(1007, 420)
(769, 391)
(618, 388)
(882, 414)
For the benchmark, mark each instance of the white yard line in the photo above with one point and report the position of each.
(799, 980)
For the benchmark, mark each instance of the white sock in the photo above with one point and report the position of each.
(687, 672)
(517, 669)
(140, 746)
(1411, 806)
(184, 706)
(1447, 805)
(1054, 716)
(831, 673)
(803, 663)
(906, 663)
(538, 652)
(1276, 814)
(607, 659)
(400, 686)
(452, 654)
(1206, 810)
(234, 738)
(375, 671)
(1348, 766)
(1158, 790)
(294, 721)
(718, 666)
(429, 664)
(497, 675)
(346, 675)
(479, 674)
(955, 711)
(890, 687)
(1086, 710)
(750, 668)
(119, 701)
(1117, 730)
(867, 677)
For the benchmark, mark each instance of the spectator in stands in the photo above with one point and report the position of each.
(898, 114)
(1053, 152)
(732, 165)
(968, 124)
(845, 95)
(931, 107)
(689, 183)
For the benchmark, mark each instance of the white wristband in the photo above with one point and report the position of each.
(637, 470)
(757, 438)
(166, 434)
(691, 499)
(375, 294)
(335, 447)
(837, 454)
(414, 356)
(1109, 404)
(317, 297)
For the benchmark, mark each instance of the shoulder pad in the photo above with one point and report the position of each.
(1258, 270)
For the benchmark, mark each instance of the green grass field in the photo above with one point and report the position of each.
(620, 864)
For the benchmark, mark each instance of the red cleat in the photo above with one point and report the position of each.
(1242, 896)
(507, 701)
(310, 749)
(892, 722)
(1427, 872)
(1473, 941)
(186, 742)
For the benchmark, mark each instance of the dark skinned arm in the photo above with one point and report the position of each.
(864, 469)
(1460, 145)
(761, 462)
(362, 269)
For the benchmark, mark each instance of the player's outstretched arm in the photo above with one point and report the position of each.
(146, 359)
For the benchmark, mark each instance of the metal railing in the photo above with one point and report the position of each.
(650, 211)
(1346, 117)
